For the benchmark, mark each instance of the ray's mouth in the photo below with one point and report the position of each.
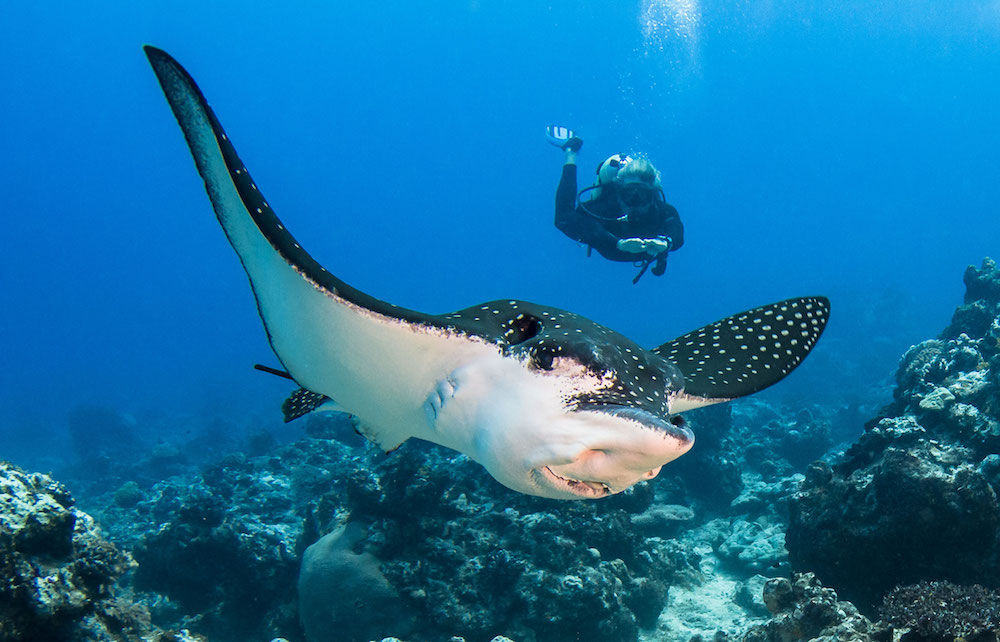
(675, 425)
(584, 488)
(676, 438)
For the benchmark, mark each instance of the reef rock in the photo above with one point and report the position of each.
(916, 497)
(757, 546)
(802, 609)
(343, 594)
(57, 572)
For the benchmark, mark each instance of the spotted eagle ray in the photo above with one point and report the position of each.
(549, 402)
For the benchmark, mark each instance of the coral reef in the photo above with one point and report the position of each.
(223, 546)
(424, 527)
(803, 609)
(57, 572)
(448, 537)
(712, 597)
(934, 611)
(916, 497)
(746, 451)
(757, 546)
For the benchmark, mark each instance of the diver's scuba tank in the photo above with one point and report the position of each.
(608, 170)
(606, 173)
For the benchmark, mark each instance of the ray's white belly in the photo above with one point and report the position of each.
(377, 368)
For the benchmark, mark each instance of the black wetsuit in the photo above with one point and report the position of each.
(603, 235)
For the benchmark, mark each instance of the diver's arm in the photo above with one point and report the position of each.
(672, 227)
(566, 198)
(575, 223)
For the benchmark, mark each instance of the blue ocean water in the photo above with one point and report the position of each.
(811, 148)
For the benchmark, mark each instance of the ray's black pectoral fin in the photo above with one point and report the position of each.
(747, 352)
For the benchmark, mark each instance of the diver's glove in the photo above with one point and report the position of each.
(563, 137)
(652, 247)
(632, 245)
(657, 246)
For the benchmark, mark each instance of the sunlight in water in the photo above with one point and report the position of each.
(666, 59)
(664, 22)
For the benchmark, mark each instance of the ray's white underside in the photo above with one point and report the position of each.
(378, 368)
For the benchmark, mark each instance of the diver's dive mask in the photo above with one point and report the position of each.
(636, 194)
(631, 196)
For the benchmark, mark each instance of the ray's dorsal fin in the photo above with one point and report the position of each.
(749, 351)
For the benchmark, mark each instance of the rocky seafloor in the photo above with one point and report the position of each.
(783, 523)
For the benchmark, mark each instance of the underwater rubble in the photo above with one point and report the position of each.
(780, 525)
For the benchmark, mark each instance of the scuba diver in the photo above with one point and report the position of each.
(623, 215)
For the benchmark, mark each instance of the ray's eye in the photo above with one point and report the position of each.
(522, 328)
(542, 357)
